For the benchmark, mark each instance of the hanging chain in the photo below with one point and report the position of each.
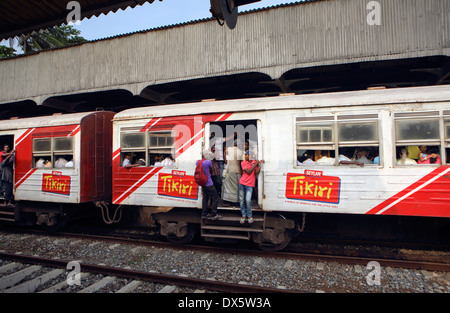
(302, 228)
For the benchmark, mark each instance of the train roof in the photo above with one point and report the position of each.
(44, 121)
(351, 98)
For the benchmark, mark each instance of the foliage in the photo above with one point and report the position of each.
(58, 36)
(6, 52)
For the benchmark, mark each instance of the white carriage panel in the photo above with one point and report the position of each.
(60, 185)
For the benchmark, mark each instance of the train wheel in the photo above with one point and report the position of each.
(273, 239)
(178, 232)
(58, 222)
(182, 240)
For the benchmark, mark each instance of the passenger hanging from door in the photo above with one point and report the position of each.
(230, 185)
(6, 174)
(250, 168)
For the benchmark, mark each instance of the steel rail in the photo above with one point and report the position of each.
(315, 257)
(149, 276)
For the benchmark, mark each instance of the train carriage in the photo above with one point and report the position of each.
(62, 164)
(375, 125)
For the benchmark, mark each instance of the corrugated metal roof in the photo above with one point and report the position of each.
(19, 17)
(162, 28)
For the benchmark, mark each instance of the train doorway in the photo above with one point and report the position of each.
(6, 140)
(6, 212)
(231, 139)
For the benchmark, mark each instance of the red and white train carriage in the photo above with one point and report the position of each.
(167, 140)
(381, 122)
(63, 162)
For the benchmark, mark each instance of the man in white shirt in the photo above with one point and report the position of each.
(60, 163)
(217, 143)
(362, 156)
(325, 160)
(127, 161)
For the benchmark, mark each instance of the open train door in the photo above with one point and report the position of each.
(7, 213)
(260, 178)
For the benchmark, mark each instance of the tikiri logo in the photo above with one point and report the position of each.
(177, 185)
(313, 186)
(55, 182)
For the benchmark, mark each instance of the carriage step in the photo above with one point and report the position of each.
(227, 236)
(7, 219)
(232, 228)
(7, 214)
(235, 218)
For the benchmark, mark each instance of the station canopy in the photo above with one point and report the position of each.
(21, 17)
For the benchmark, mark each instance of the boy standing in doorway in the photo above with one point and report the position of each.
(250, 168)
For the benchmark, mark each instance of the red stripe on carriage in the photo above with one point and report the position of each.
(429, 196)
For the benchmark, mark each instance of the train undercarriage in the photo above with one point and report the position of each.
(270, 231)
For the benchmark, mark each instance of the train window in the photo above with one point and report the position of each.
(63, 152)
(417, 129)
(418, 138)
(322, 133)
(42, 145)
(53, 152)
(158, 140)
(63, 144)
(351, 138)
(160, 144)
(42, 152)
(447, 129)
(447, 139)
(354, 132)
(147, 148)
(132, 140)
(132, 149)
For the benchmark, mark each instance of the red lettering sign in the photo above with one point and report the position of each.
(313, 173)
(313, 188)
(178, 173)
(177, 186)
(56, 183)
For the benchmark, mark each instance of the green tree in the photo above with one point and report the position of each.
(6, 52)
(58, 36)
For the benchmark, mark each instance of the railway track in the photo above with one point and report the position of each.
(193, 267)
(385, 259)
(16, 282)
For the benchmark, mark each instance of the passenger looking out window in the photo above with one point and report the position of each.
(55, 152)
(404, 158)
(354, 138)
(152, 148)
(420, 133)
(427, 156)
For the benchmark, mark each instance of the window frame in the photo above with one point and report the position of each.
(52, 153)
(147, 149)
(442, 142)
(335, 120)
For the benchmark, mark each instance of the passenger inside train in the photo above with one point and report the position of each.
(230, 141)
(419, 154)
(347, 156)
(54, 152)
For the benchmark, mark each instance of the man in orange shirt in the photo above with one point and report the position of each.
(246, 184)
